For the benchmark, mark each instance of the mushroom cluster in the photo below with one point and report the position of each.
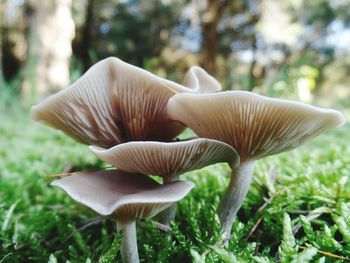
(130, 118)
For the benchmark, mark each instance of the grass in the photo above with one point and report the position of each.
(297, 209)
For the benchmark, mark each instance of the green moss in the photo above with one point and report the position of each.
(307, 217)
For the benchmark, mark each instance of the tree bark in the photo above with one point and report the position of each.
(85, 41)
(2, 26)
(251, 74)
(51, 31)
(210, 21)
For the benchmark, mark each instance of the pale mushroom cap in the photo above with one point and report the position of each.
(126, 196)
(167, 159)
(199, 80)
(113, 102)
(256, 126)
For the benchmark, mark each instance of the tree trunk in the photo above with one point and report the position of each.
(251, 74)
(2, 26)
(51, 31)
(86, 36)
(210, 21)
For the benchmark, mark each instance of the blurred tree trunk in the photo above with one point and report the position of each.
(252, 74)
(86, 37)
(2, 25)
(49, 37)
(210, 20)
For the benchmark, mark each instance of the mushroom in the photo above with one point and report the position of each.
(112, 103)
(255, 126)
(115, 102)
(125, 198)
(199, 80)
(167, 159)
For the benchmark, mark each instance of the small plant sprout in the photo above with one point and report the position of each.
(199, 80)
(125, 198)
(167, 159)
(255, 126)
(112, 103)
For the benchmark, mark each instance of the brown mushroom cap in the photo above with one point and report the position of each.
(256, 126)
(199, 80)
(113, 102)
(126, 196)
(167, 159)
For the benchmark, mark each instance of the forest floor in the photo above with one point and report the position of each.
(297, 209)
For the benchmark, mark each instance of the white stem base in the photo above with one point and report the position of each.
(128, 247)
(235, 194)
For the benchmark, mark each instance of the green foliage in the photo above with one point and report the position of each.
(197, 258)
(109, 256)
(224, 255)
(306, 213)
(342, 220)
(306, 256)
(134, 31)
(288, 246)
(9, 92)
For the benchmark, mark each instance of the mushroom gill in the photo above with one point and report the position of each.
(255, 126)
(113, 102)
(125, 197)
(167, 159)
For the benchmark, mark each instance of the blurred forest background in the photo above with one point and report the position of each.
(297, 49)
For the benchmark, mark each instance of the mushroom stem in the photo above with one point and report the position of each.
(128, 247)
(235, 194)
(168, 215)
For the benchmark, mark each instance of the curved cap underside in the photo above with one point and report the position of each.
(256, 126)
(126, 196)
(113, 102)
(167, 159)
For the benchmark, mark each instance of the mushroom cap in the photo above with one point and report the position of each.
(113, 102)
(167, 158)
(256, 126)
(123, 195)
(199, 80)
